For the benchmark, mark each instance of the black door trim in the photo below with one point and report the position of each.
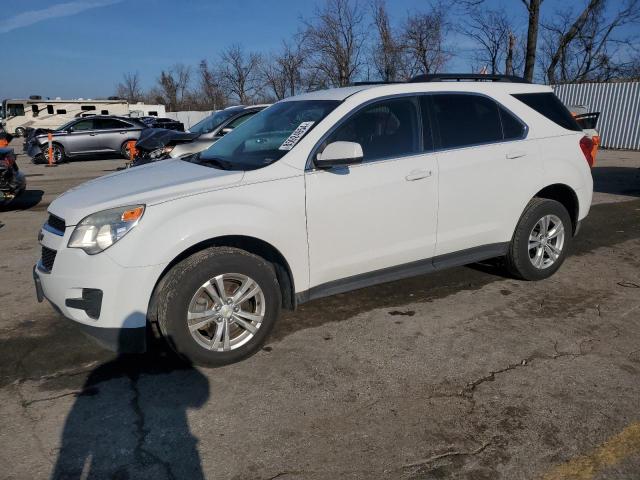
(406, 270)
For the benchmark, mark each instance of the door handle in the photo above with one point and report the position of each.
(92, 134)
(516, 154)
(418, 175)
(122, 133)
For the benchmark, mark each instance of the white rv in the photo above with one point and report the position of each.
(20, 114)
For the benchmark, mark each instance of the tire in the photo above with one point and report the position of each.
(184, 291)
(124, 149)
(524, 259)
(20, 131)
(59, 154)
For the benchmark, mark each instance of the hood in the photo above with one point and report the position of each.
(148, 184)
(152, 138)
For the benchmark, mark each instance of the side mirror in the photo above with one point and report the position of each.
(339, 154)
(70, 130)
(225, 130)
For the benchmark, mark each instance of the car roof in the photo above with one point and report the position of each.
(487, 88)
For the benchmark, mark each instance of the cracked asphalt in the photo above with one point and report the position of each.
(463, 374)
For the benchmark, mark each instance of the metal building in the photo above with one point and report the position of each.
(619, 107)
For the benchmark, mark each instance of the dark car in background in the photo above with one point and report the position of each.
(12, 180)
(160, 144)
(161, 122)
(93, 135)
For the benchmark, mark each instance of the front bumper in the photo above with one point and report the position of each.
(107, 301)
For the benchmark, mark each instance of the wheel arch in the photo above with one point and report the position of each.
(250, 244)
(567, 196)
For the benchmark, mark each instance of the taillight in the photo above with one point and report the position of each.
(586, 145)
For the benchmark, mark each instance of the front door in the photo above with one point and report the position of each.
(81, 138)
(382, 213)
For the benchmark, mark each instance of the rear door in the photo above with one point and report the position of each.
(488, 171)
(112, 133)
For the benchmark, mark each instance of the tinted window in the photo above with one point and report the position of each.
(87, 108)
(50, 109)
(15, 110)
(83, 125)
(104, 112)
(34, 110)
(466, 120)
(511, 127)
(550, 106)
(109, 123)
(61, 111)
(385, 129)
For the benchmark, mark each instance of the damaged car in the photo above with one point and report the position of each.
(85, 136)
(12, 180)
(160, 144)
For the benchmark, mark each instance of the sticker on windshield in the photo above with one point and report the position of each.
(297, 134)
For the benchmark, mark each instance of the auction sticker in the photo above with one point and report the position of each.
(297, 134)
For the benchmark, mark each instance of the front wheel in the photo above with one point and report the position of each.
(218, 305)
(541, 240)
(59, 155)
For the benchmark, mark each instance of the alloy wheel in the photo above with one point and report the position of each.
(546, 241)
(226, 312)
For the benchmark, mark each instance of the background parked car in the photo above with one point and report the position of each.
(85, 136)
(160, 144)
(168, 123)
(12, 180)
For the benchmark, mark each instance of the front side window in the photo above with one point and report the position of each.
(385, 129)
(240, 120)
(266, 137)
(465, 120)
(83, 125)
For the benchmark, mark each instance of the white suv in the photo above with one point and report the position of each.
(321, 193)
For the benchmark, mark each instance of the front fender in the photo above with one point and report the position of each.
(272, 211)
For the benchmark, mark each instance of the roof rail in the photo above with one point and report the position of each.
(372, 82)
(475, 77)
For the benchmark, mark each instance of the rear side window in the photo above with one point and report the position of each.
(550, 106)
(385, 129)
(465, 120)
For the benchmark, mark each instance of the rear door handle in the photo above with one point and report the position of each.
(92, 134)
(418, 175)
(516, 154)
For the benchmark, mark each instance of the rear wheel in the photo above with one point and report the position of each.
(20, 132)
(218, 306)
(540, 241)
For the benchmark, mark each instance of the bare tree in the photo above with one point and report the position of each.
(334, 42)
(533, 9)
(423, 43)
(587, 47)
(173, 84)
(387, 50)
(211, 94)
(492, 32)
(282, 72)
(130, 88)
(240, 71)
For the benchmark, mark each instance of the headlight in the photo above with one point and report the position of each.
(159, 152)
(100, 230)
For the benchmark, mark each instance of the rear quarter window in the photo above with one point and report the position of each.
(547, 104)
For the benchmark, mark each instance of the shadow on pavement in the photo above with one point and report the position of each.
(129, 421)
(28, 199)
(617, 180)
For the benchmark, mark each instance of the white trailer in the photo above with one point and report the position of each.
(20, 114)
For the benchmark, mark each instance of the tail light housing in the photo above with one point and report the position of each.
(586, 145)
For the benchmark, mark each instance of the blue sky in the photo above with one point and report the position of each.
(81, 48)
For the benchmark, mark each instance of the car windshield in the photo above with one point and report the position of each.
(266, 137)
(212, 122)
